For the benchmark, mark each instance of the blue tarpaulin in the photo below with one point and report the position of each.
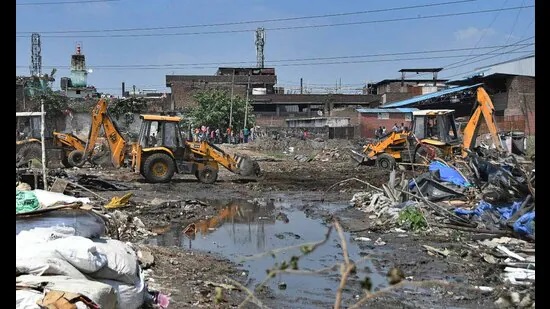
(522, 226)
(449, 174)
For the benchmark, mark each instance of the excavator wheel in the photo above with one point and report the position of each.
(75, 158)
(385, 161)
(65, 161)
(27, 152)
(158, 167)
(207, 174)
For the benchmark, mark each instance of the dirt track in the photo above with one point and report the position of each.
(183, 273)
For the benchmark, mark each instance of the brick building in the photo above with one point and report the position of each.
(511, 85)
(270, 105)
(184, 87)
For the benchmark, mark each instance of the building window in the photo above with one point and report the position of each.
(78, 92)
(408, 117)
(383, 115)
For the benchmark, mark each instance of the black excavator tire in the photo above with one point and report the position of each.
(207, 174)
(158, 167)
(385, 161)
(75, 158)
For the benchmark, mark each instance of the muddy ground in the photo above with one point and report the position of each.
(190, 276)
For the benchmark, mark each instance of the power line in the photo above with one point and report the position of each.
(479, 60)
(454, 64)
(261, 20)
(306, 59)
(61, 2)
(196, 66)
(514, 25)
(288, 27)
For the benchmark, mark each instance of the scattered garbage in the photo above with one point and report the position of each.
(98, 184)
(25, 201)
(117, 202)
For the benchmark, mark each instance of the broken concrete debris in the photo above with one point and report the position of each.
(488, 195)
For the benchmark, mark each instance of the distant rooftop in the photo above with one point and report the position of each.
(421, 70)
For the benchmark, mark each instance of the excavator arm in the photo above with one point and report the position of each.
(484, 108)
(237, 164)
(117, 144)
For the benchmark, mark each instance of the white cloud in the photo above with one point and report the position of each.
(473, 33)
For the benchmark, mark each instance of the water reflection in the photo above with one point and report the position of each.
(243, 221)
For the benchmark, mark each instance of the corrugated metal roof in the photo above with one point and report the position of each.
(384, 110)
(428, 96)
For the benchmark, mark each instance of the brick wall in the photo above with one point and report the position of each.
(183, 92)
(395, 96)
(370, 122)
(521, 95)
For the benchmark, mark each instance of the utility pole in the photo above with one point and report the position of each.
(231, 104)
(42, 124)
(246, 103)
(301, 85)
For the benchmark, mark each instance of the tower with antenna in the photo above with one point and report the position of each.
(36, 55)
(78, 68)
(260, 42)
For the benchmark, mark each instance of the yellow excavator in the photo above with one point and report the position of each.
(160, 151)
(434, 134)
(29, 147)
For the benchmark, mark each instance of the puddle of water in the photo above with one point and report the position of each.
(243, 230)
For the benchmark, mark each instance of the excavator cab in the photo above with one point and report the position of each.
(436, 133)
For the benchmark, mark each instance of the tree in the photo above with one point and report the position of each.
(126, 108)
(214, 107)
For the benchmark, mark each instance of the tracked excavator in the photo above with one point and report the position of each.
(160, 151)
(434, 134)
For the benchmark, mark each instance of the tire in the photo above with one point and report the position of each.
(28, 152)
(65, 162)
(207, 174)
(158, 167)
(75, 158)
(385, 161)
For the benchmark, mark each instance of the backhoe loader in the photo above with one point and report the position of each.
(161, 151)
(29, 147)
(434, 134)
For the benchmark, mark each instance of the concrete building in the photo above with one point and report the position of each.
(371, 119)
(393, 90)
(76, 86)
(318, 122)
(273, 110)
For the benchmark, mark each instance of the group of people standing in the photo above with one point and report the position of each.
(218, 136)
(381, 131)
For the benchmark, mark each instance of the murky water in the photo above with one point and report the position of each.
(242, 231)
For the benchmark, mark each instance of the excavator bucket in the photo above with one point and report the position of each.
(357, 156)
(247, 167)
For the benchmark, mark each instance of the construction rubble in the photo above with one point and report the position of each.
(65, 257)
(485, 195)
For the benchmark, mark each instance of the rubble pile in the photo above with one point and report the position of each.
(486, 194)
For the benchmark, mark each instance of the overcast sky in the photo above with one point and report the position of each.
(406, 38)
